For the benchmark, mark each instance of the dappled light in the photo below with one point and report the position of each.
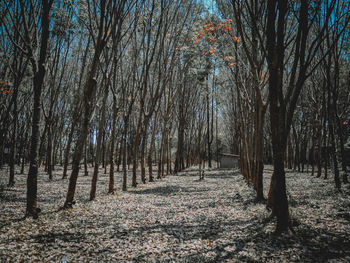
(174, 131)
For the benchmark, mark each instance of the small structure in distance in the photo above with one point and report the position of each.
(228, 160)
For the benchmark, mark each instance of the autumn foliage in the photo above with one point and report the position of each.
(207, 35)
(4, 87)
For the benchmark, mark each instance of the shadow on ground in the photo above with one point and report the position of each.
(168, 190)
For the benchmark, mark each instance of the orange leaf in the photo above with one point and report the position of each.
(236, 39)
(262, 75)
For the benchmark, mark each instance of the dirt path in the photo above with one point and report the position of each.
(176, 219)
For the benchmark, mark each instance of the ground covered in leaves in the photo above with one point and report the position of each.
(175, 219)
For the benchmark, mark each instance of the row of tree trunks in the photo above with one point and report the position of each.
(89, 94)
(76, 114)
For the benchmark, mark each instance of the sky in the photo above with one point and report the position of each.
(209, 4)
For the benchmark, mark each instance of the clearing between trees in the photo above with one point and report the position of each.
(176, 219)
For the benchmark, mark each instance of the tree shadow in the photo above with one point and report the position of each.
(313, 246)
(168, 190)
(184, 231)
(209, 230)
(187, 173)
(52, 237)
(9, 222)
(321, 245)
(225, 175)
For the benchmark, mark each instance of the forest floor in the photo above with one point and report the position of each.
(175, 219)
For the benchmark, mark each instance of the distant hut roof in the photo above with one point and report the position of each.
(229, 155)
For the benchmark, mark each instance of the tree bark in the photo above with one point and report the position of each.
(125, 147)
(13, 139)
(99, 149)
(89, 94)
(142, 157)
(277, 195)
(112, 149)
(38, 80)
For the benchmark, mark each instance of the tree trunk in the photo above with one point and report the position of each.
(143, 149)
(38, 80)
(49, 152)
(136, 149)
(179, 163)
(277, 195)
(209, 141)
(66, 154)
(151, 149)
(160, 159)
(313, 155)
(319, 153)
(342, 151)
(99, 149)
(125, 146)
(23, 152)
(13, 139)
(112, 149)
(89, 94)
(168, 153)
(334, 157)
(261, 110)
(103, 151)
(86, 172)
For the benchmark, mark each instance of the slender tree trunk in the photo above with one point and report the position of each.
(209, 141)
(326, 156)
(319, 151)
(125, 146)
(168, 153)
(151, 149)
(143, 149)
(23, 152)
(160, 159)
(313, 139)
(41, 146)
(164, 150)
(136, 149)
(331, 107)
(112, 148)
(296, 150)
(89, 94)
(38, 80)
(49, 153)
(86, 172)
(342, 152)
(33, 166)
(119, 162)
(66, 154)
(103, 151)
(334, 157)
(259, 151)
(13, 139)
(99, 148)
(179, 163)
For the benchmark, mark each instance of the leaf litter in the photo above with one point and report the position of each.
(175, 219)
